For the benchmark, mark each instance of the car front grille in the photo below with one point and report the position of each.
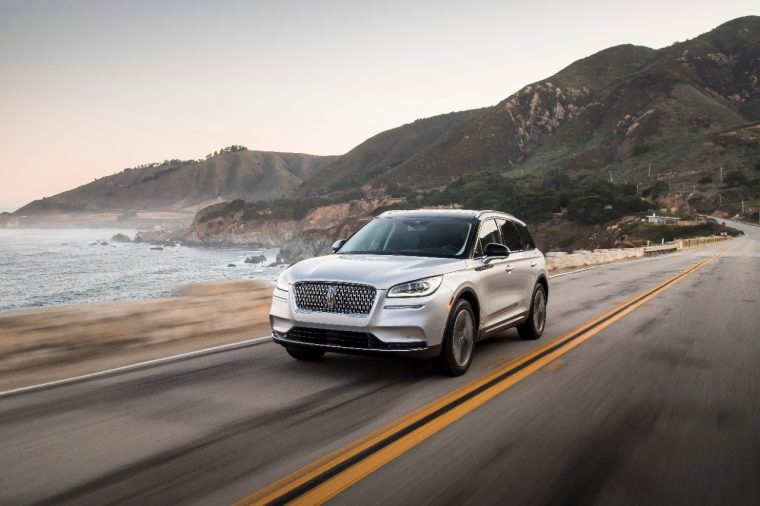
(343, 298)
(346, 339)
(362, 340)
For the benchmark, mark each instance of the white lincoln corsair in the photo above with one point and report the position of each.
(428, 283)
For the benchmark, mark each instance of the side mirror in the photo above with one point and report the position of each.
(337, 245)
(494, 249)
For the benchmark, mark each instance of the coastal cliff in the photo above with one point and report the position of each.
(299, 233)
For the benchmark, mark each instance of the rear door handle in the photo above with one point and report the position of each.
(533, 264)
(509, 269)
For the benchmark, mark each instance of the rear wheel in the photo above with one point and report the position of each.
(306, 355)
(458, 341)
(534, 325)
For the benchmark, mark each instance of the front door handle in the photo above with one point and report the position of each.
(509, 269)
(533, 264)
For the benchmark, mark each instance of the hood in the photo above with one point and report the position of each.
(380, 271)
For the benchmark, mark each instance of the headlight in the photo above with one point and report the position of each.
(419, 288)
(282, 283)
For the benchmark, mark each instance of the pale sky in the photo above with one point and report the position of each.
(88, 88)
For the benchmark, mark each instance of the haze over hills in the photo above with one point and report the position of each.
(189, 185)
(683, 109)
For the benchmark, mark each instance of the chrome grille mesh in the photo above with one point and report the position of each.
(334, 297)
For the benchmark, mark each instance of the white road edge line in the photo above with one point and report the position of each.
(138, 365)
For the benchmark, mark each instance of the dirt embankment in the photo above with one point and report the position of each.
(40, 345)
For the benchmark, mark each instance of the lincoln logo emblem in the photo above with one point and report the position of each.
(330, 296)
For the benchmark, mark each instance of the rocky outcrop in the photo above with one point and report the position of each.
(160, 236)
(313, 235)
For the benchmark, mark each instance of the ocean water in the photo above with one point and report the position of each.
(46, 267)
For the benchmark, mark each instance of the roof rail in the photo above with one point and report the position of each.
(492, 211)
(486, 211)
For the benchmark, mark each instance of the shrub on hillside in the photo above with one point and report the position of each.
(657, 189)
(641, 149)
(588, 203)
(735, 178)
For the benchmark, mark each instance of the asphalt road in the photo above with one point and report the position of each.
(660, 407)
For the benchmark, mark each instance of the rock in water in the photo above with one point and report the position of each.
(121, 238)
(255, 259)
(158, 248)
(230, 265)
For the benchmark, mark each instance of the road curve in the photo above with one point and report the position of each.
(659, 407)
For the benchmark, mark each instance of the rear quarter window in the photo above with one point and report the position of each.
(525, 236)
(511, 236)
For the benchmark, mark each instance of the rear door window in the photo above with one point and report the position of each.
(488, 233)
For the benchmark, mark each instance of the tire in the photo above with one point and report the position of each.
(458, 340)
(536, 322)
(305, 355)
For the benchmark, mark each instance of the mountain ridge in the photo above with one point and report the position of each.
(614, 114)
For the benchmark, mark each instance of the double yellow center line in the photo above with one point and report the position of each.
(330, 475)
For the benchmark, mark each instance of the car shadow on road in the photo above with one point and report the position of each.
(358, 368)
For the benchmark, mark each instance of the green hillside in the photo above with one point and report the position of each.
(620, 111)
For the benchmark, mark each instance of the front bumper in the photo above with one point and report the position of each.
(409, 326)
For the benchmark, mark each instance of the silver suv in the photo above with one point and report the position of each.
(428, 283)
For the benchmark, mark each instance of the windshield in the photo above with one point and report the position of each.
(429, 237)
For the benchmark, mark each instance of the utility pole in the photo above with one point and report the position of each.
(721, 173)
(649, 173)
(742, 206)
(610, 176)
(720, 200)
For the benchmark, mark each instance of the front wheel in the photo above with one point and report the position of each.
(458, 341)
(534, 325)
(306, 355)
